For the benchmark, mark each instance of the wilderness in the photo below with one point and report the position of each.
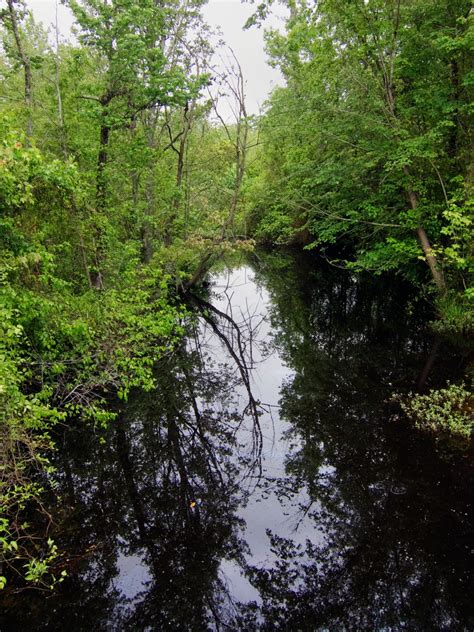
(235, 378)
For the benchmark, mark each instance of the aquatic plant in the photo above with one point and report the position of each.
(446, 410)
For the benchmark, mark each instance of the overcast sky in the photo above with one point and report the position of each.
(230, 16)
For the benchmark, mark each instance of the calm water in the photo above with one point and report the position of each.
(267, 483)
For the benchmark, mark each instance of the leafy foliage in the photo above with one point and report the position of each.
(61, 350)
(371, 137)
(446, 410)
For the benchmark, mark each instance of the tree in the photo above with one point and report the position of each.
(11, 18)
(127, 40)
(377, 99)
(232, 81)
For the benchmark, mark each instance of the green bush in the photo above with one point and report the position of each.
(446, 411)
(456, 313)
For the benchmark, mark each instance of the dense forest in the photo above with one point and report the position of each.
(122, 184)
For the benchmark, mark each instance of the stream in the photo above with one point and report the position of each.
(269, 482)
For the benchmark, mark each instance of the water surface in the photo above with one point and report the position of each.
(268, 483)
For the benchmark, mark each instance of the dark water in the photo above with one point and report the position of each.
(266, 484)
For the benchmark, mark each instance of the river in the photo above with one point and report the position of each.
(269, 482)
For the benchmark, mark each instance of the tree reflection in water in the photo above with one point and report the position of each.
(396, 518)
(368, 527)
(174, 461)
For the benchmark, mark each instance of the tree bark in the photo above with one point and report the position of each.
(430, 257)
(101, 163)
(147, 242)
(181, 152)
(25, 61)
(452, 146)
(62, 129)
(101, 188)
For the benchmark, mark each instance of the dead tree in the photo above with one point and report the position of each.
(233, 85)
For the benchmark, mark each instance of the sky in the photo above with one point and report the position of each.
(228, 15)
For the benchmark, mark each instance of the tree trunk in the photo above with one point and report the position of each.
(62, 129)
(436, 273)
(101, 164)
(430, 257)
(147, 243)
(25, 61)
(390, 98)
(452, 145)
(234, 80)
(101, 189)
(181, 152)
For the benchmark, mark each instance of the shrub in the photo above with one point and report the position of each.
(442, 411)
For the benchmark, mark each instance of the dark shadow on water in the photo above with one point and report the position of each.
(266, 484)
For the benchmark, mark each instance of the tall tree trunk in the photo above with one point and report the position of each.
(62, 129)
(240, 158)
(181, 153)
(385, 67)
(25, 62)
(179, 182)
(234, 81)
(102, 158)
(436, 273)
(101, 195)
(147, 241)
(452, 147)
(430, 257)
(146, 231)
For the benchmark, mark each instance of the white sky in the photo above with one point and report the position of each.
(228, 15)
